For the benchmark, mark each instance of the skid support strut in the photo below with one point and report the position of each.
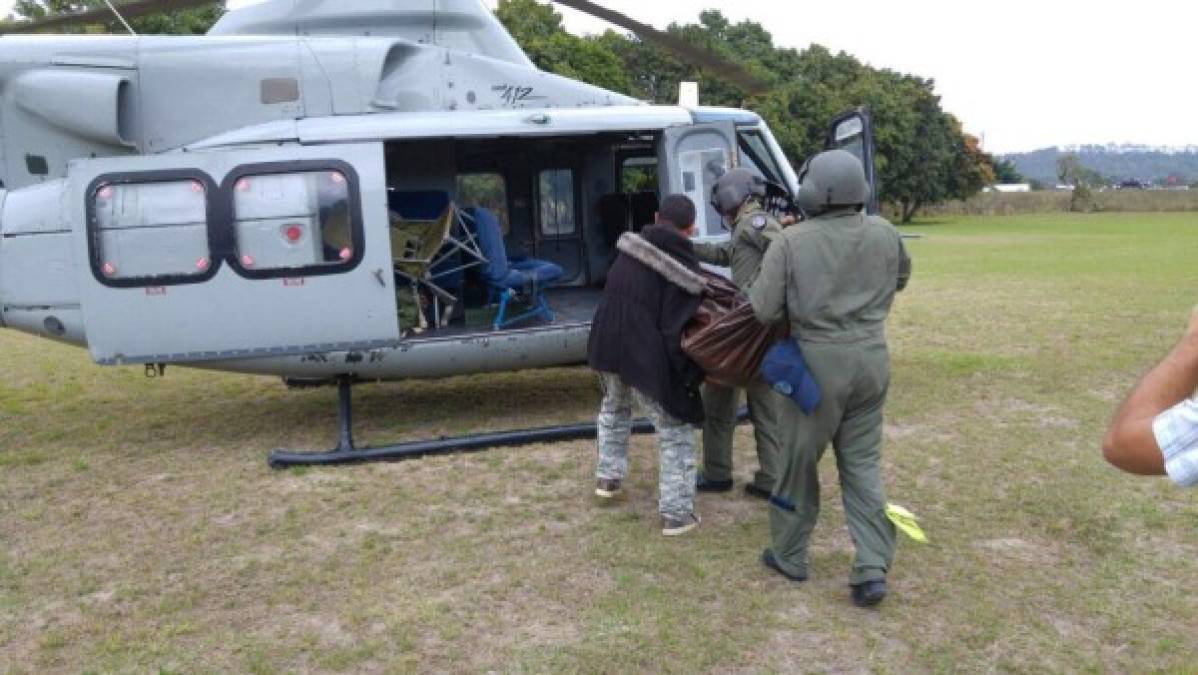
(347, 453)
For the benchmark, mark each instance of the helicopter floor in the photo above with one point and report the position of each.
(571, 306)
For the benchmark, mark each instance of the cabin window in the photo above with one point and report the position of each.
(150, 233)
(295, 223)
(638, 174)
(37, 165)
(487, 191)
(556, 196)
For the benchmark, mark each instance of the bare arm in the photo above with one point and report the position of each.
(1130, 443)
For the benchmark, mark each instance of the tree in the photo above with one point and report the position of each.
(538, 29)
(195, 21)
(972, 169)
(921, 154)
(1005, 172)
(1071, 172)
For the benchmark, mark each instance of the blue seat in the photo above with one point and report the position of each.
(418, 204)
(507, 277)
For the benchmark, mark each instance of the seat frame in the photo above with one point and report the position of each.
(456, 238)
(502, 296)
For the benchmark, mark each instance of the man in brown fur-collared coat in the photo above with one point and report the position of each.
(653, 290)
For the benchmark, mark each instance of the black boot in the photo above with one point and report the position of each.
(704, 485)
(768, 559)
(869, 593)
(757, 492)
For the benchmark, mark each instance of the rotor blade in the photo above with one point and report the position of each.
(701, 57)
(129, 10)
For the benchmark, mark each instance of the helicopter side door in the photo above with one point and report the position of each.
(853, 131)
(222, 255)
(690, 159)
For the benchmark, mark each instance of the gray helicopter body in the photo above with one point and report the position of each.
(228, 201)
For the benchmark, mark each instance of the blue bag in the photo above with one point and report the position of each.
(786, 371)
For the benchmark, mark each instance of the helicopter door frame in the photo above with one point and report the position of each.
(224, 255)
(690, 159)
(853, 131)
(562, 249)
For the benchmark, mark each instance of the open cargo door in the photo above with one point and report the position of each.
(691, 158)
(853, 131)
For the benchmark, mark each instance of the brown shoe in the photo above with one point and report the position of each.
(672, 527)
(607, 488)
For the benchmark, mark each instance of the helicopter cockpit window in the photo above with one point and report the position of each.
(294, 223)
(556, 193)
(755, 154)
(152, 233)
(850, 136)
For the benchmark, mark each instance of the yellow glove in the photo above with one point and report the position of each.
(906, 522)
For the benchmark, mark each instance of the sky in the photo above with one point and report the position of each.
(1020, 74)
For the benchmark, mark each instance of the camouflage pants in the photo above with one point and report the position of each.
(675, 440)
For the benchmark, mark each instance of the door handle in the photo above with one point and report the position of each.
(378, 276)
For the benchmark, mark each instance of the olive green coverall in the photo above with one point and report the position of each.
(834, 279)
(755, 228)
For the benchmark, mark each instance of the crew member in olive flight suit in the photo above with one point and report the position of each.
(738, 195)
(834, 278)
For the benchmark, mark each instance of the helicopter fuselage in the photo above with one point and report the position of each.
(231, 202)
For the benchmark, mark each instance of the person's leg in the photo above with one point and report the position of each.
(719, 407)
(676, 478)
(764, 411)
(794, 506)
(614, 426)
(858, 445)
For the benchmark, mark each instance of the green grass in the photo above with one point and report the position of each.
(140, 529)
(1111, 201)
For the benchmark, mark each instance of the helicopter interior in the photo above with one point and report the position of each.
(536, 220)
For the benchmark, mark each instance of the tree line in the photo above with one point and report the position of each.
(1109, 166)
(194, 21)
(922, 154)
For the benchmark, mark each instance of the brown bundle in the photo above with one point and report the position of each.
(725, 338)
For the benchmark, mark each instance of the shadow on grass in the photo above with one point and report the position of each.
(270, 416)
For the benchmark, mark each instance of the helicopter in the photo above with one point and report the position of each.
(341, 191)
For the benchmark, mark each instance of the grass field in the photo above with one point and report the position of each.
(140, 529)
(1023, 203)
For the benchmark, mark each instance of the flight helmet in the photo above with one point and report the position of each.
(733, 188)
(832, 180)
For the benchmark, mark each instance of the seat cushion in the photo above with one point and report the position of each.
(539, 272)
(490, 241)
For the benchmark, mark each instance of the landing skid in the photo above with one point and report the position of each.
(347, 453)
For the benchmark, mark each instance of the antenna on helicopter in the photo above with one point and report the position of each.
(119, 17)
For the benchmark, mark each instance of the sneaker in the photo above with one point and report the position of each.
(672, 527)
(757, 492)
(607, 488)
(768, 559)
(869, 593)
(702, 484)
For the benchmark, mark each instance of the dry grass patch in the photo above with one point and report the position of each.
(142, 531)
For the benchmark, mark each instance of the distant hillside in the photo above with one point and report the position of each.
(1115, 162)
